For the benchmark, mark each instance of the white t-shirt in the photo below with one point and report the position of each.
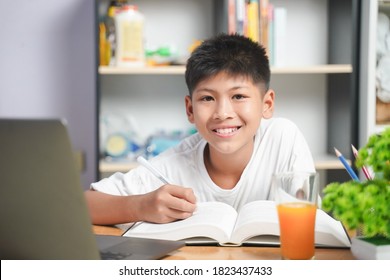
(279, 146)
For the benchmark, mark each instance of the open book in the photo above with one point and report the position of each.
(257, 223)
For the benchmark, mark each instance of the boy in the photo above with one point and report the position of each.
(232, 157)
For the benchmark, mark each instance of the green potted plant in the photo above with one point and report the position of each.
(364, 206)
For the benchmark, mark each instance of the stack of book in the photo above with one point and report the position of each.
(263, 22)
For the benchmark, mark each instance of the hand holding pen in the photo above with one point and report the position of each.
(169, 202)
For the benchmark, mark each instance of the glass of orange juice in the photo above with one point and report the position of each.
(296, 195)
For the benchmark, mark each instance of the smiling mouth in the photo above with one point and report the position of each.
(226, 131)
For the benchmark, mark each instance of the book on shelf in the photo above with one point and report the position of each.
(219, 223)
(232, 17)
(280, 36)
(264, 23)
(240, 17)
(253, 20)
(271, 39)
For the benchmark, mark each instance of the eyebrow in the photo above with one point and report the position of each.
(211, 90)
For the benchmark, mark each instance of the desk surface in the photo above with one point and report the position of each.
(234, 253)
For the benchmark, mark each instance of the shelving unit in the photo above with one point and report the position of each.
(317, 89)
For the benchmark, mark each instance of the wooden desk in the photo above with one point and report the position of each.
(234, 253)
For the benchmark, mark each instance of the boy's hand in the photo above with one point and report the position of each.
(166, 204)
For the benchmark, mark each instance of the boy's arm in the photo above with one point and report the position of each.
(166, 204)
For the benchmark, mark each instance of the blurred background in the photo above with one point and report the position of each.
(115, 71)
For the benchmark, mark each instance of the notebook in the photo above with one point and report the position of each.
(43, 212)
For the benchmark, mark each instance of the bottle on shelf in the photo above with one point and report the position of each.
(107, 33)
(110, 31)
(104, 51)
(129, 23)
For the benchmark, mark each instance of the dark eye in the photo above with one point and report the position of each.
(207, 98)
(238, 96)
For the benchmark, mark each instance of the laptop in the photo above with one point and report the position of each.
(43, 212)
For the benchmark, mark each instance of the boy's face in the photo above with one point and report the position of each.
(227, 111)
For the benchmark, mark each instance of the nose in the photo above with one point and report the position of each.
(223, 110)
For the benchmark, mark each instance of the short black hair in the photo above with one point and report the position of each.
(231, 53)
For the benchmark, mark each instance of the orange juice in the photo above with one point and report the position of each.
(297, 220)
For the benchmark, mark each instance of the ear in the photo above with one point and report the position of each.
(189, 109)
(268, 104)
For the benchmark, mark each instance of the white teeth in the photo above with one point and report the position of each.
(226, 130)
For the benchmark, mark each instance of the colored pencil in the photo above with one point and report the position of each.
(364, 169)
(346, 165)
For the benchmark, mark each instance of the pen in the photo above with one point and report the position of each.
(152, 169)
(364, 169)
(346, 165)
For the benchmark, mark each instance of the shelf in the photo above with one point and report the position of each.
(116, 166)
(322, 162)
(179, 70)
(151, 70)
(314, 69)
(325, 162)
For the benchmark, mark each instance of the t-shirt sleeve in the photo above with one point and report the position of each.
(302, 159)
(136, 181)
(286, 142)
(173, 163)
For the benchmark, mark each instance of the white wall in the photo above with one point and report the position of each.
(48, 67)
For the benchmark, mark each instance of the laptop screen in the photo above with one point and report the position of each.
(43, 214)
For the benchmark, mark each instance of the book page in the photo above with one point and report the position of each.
(261, 218)
(211, 219)
(330, 232)
(255, 219)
